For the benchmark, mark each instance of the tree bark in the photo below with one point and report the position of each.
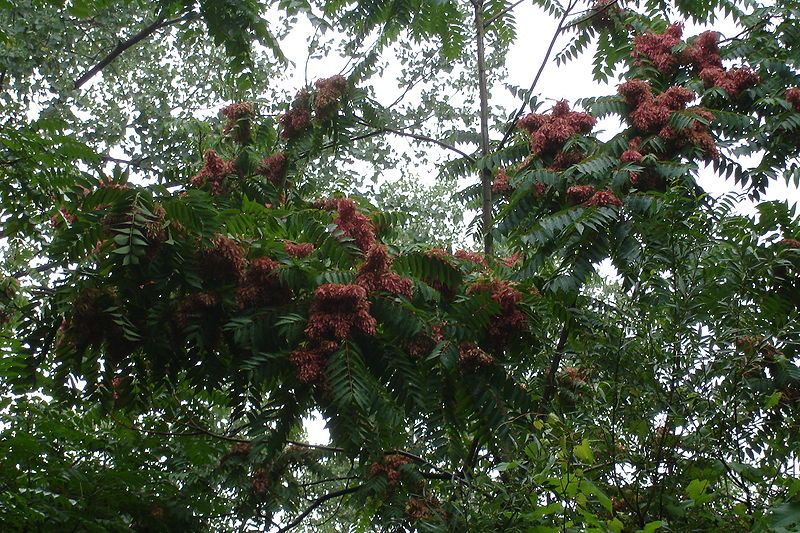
(486, 172)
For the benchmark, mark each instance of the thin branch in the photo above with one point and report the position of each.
(488, 22)
(125, 45)
(483, 94)
(549, 51)
(315, 446)
(594, 13)
(550, 384)
(425, 138)
(316, 503)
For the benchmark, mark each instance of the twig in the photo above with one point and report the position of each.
(316, 503)
(550, 384)
(558, 31)
(123, 46)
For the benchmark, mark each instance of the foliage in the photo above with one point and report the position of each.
(165, 340)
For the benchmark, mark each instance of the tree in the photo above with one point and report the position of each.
(172, 335)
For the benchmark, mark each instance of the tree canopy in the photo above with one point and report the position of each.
(604, 347)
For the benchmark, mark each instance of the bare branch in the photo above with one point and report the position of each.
(125, 45)
(316, 503)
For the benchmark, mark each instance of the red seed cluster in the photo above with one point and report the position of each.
(602, 14)
(632, 154)
(261, 286)
(604, 199)
(223, 262)
(339, 310)
(329, 94)
(732, 81)
(649, 112)
(577, 194)
(213, 172)
(294, 122)
(793, 97)
(548, 133)
(574, 377)
(539, 189)
(240, 450)
(511, 319)
(703, 52)
(89, 322)
(501, 184)
(789, 243)
(238, 115)
(472, 257)
(259, 482)
(274, 168)
(471, 356)
(200, 302)
(374, 274)
(309, 362)
(354, 224)
(658, 47)
(511, 260)
(298, 249)
(390, 467)
(696, 135)
(236, 111)
(63, 214)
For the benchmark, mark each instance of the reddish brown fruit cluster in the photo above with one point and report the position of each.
(201, 302)
(632, 154)
(417, 509)
(732, 81)
(260, 286)
(574, 377)
(539, 189)
(471, 356)
(604, 199)
(649, 112)
(259, 482)
(374, 274)
(90, 323)
(214, 171)
(501, 184)
(274, 168)
(234, 112)
(696, 135)
(577, 194)
(511, 260)
(309, 362)
(658, 47)
(548, 133)
(298, 249)
(603, 13)
(789, 243)
(793, 97)
(239, 450)
(511, 320)
(223, 262)
(62, 216)
(472, 257)
(330, 91)
(389, 466)
(703, 52)
(339, 310)
(238, 115)
(354, 224)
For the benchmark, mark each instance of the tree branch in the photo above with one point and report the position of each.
(425, 138)
(550, 384)
(549, 51)
(125, 45)
(316, 503)
(483, 94)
